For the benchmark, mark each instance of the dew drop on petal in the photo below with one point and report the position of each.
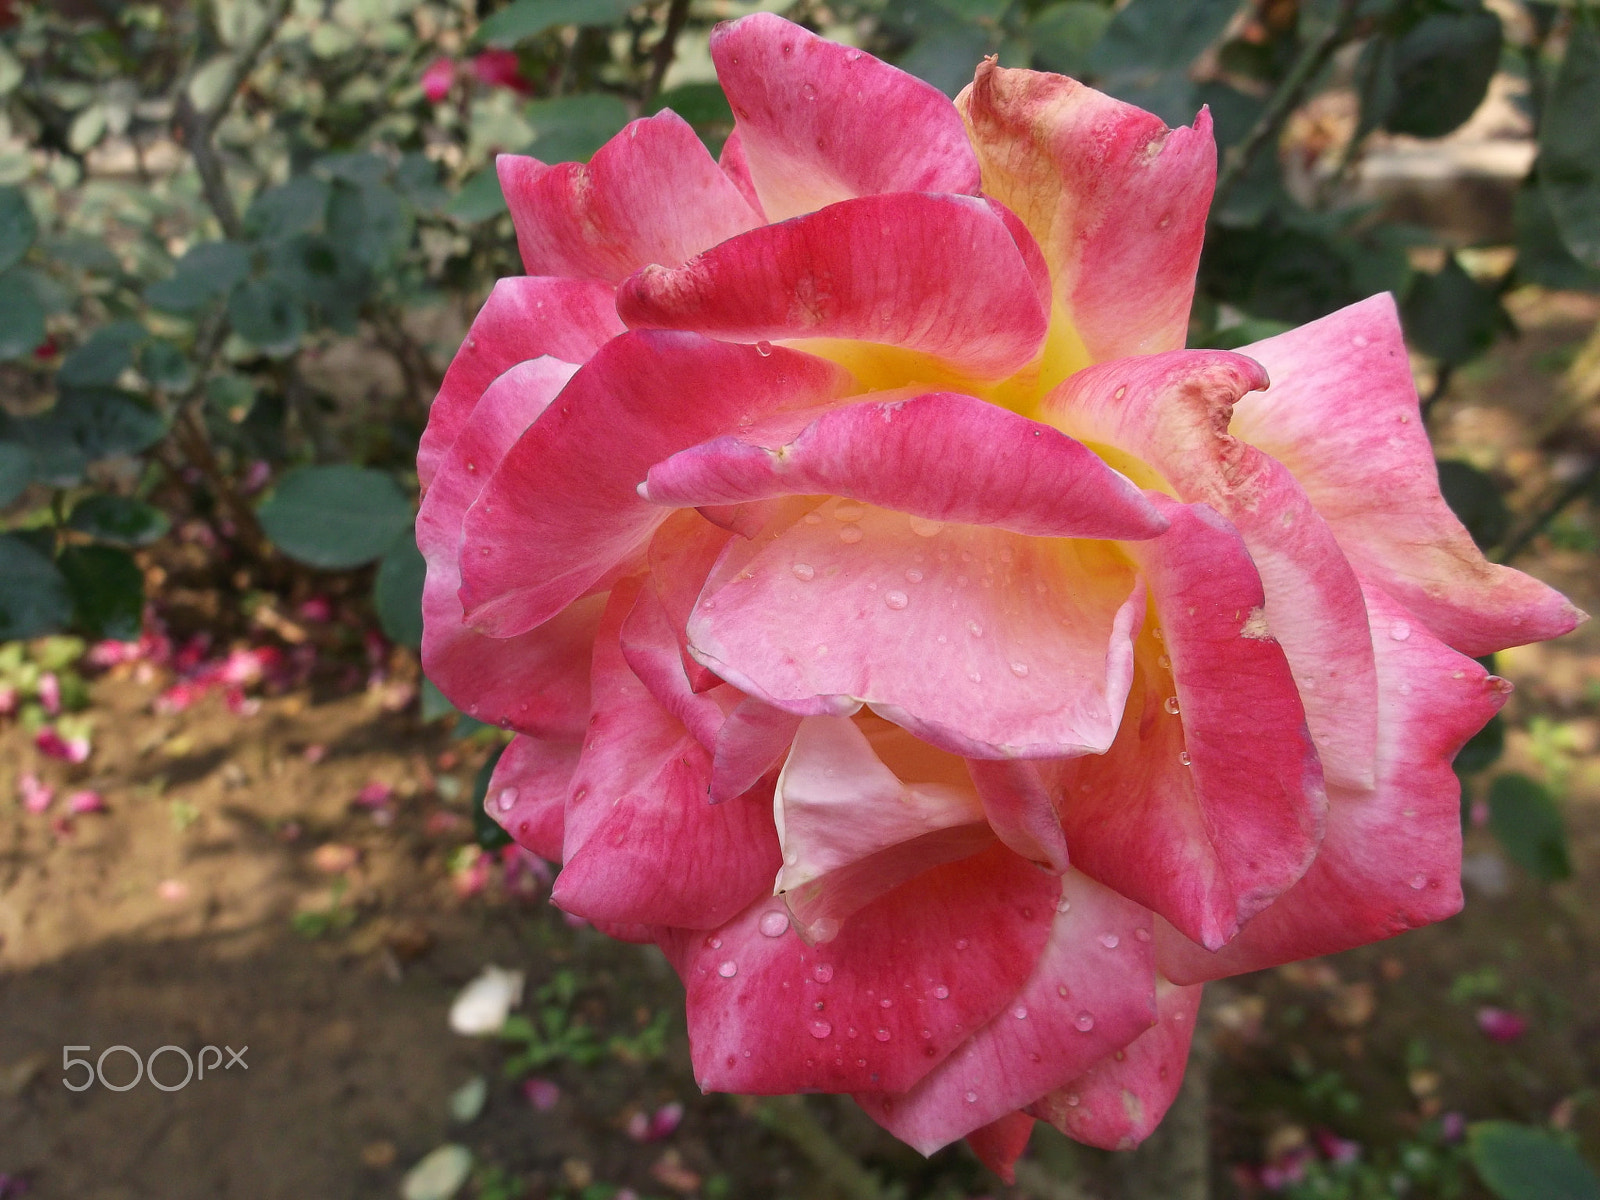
(1183, 757)
(820, 1029)
(1109, 940)
(1171, 705)
(812, 518)
(972, 1097)
(824, 929)
(506, 799)
(728, 969)
(913, 575)
(961, 943)
(1142, 934)
(764, 349)
(804, 572)
(1020, 1013)
(883, 1035)
(850, 535)
(1164, 662)
(1072, 1099)
(1063, 905)
(822, 972)
(774, 923)
(1418, 882)
(714, 942)
(941, 992)
(1020, 670)
(1083, 1022)
(974, 629)
(1399, 631)
(896, 600)
(923, 527)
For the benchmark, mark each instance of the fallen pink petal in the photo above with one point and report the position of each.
(1501, 1024)
(36, 796)
(85, 802)
(53, 745)
(543, 1094)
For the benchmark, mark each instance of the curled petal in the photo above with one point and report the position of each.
(1000, 1143)
(563, 510)
(937, 274)
(980, 642)
(751, 742)
(1171, 411)
(1092, 991)
(819, 122)
(905, 982)
(1119, 1101)
(650, 195)
(536, 682)
(1020, 806)
(1391, 857)
(1210, 803)
(1116, 200)
(523, 318)
(642, 845)
(527, 794)
(1342, 415)
(915, 455)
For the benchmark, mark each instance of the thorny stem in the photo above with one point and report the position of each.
(1284, 101)
(789, 1117)
(661, 57)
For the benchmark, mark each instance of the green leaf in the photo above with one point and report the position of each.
(21, 317)
(571, 128)
(268, 314)
(107, 590)
(1525, 818)
(102, 359)
(17, 226)
(1569, 146)
(16, 470)
(479, 198)
(485, 828)
(1431, 78)
(1063, 35)
(33, 596)
(120, 520)
(1476, 501)
(335, 517)
(1520, 1162)
(1542, 254)
(947, 56)
(86, 424)
(397, 591)
(1161, 35)
(529, 18)
(696, 103)
(165, 366)
(298, 206)
(1451, 316)
(1483, 749)
(207, 271)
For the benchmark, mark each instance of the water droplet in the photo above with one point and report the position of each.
(1155, 632)
(1072, 1099)
(472, 466)
(774, 923)
(972, 1097)
(764, 349)
(1020, 670)
(812, 518)
(1183, 757)
(883, 1035)
(896, 600)
(941, 992)
(1061, 990)
(886, 1003)
(1083, 1022)
(507, 798)
(1358, 341)
(925, 1034)
(728, 969)
(1109, 940)
(974, 629)
(1063, 905)
(820, 1029)
(809, 91)
(850, 535)
(923, 527)
(1418, 882)
(1142, 934)
(1399, 631)
(1171, 705)
(1164, 662)
(1121, 391)
(975, 676)
(1020, 1013)
(913, 575)
(822, 972)
(961, 943)
(714, 942)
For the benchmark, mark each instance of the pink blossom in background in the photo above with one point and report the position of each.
(50, 692)
(1501, 1025)
(500, 68)
(846, 533)
(375, 794)
(8, 699)
(85, 802)
(543, 1094)
(36, 795)
(52, 744)
(438, 79)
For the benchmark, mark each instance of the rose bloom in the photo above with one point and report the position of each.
(948, 670)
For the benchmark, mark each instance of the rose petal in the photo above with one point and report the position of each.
(523, 318)
(1210, 803)
(1000, 1143)
(1119, 1101)
(652, 194)
(1342, 415)
(1020, 806)
(642, 844)
(981, 642)
(1391, 857)
(1091, 992)
(527, 793)
(939, 275)
(904, 983)
(820, 122)
(1115, 199)
(1171, 411)
(562, 510)
(915, 455)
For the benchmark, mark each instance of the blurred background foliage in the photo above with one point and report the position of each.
(240, 239)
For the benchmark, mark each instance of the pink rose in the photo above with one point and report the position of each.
(438, 79)
(847, 534)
